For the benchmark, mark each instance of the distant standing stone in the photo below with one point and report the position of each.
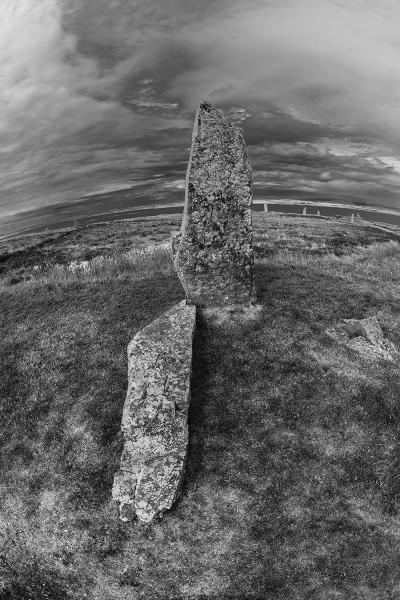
(213, 253)
(155, 416)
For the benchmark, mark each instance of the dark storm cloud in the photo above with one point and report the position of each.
(97, 95)
(280, 127)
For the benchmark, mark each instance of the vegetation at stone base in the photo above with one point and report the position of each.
(292, 489)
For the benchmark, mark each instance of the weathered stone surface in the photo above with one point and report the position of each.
(364, 336)
(368, 328)
(154, 420)
(213, 253)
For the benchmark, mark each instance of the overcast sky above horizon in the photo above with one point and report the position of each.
(100, 95)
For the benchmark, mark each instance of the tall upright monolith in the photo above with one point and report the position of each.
(213, 253)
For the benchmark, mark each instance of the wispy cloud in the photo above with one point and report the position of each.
(60, 113)
(330, 61)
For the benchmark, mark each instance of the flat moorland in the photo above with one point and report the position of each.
(17, 257)
(292, 490)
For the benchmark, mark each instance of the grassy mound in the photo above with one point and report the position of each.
(292, 489)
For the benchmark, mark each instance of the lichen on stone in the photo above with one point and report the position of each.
(213, 253)
(155, 414)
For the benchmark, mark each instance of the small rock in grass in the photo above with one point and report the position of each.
(364, 336)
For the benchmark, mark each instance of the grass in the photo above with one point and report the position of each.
(18, 258)
(135, 264)
(292, 488)
(315, 236)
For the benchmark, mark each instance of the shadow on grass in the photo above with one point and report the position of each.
(306, 451)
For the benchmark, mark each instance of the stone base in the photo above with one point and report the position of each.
(242, 313)
(218, 283)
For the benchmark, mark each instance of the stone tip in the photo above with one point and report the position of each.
(207, 106)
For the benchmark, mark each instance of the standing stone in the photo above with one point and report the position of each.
(213, 253)
(155, 416)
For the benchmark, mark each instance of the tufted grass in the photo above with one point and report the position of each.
(108, 243)
(292, 490)
(135, 264)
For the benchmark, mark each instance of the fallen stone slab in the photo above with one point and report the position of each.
(365, 336)
(213, 253)
(155, 416)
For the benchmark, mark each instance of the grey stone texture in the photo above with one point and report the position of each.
(365, 336)
(155, 416)
(213, 253)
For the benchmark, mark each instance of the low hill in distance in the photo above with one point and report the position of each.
(292, 489)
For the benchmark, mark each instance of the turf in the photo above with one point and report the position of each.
(292, 489)
(18, 257)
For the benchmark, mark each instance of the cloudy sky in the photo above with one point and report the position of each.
(99, 95)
